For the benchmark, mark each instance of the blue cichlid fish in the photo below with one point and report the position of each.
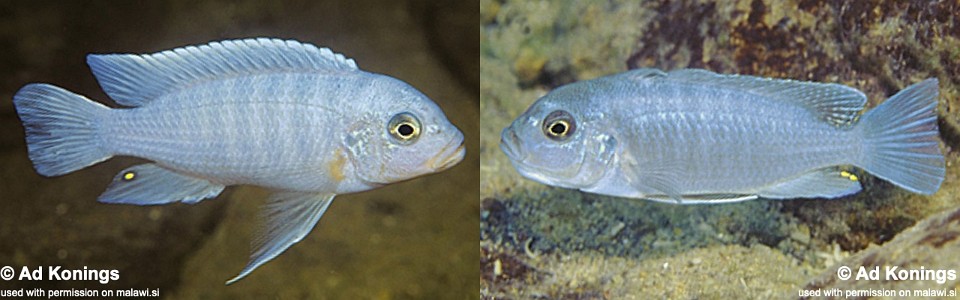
(284, 115)
(694, 136)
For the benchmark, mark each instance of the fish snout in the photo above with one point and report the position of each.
(509, 144)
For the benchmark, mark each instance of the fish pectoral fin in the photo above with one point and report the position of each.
(823, 183)
(288, 217)
(654, 179)
(702, 199)
(150, 184)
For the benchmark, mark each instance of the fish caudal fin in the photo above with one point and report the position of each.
(900, 139)
(61, 128)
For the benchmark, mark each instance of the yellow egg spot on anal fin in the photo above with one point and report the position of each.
(129, 176)
(848, 175)
(335, 166)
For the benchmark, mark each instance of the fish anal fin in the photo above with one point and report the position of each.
(823, 183)
(288, 217)
(150, 184)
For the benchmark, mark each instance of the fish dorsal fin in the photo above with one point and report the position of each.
(644, 73)
(133, 79)
(833, 103)
(638, 74)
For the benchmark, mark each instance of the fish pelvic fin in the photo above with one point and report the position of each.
(701, 199)
(61, 128)
(288, 217)
(901, 143)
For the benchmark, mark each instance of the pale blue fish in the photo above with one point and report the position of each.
(694, 136)
(297, 119)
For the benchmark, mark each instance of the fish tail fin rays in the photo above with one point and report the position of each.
(289, 216)
(61, 128)
(900, 139)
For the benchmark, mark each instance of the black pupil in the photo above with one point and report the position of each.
(405, 129)
(558, 128)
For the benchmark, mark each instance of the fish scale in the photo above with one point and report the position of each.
(232, 116)
(758, 140)
(694, 136)
(252, 145)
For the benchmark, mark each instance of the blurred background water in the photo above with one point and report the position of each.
(412, 240)
(552, 243)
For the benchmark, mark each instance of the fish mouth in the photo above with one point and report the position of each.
(449, 156)
(509, 144)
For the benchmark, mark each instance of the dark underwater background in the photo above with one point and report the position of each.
(412, 240)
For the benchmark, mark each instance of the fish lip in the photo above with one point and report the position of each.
(450, 156)
(509, 143)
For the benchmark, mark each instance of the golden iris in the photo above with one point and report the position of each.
(559, 125)
(404, 127)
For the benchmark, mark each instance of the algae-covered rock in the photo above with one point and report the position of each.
(931, 247)
(760, 272)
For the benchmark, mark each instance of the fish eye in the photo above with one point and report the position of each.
(404, 127)
(559, 125)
